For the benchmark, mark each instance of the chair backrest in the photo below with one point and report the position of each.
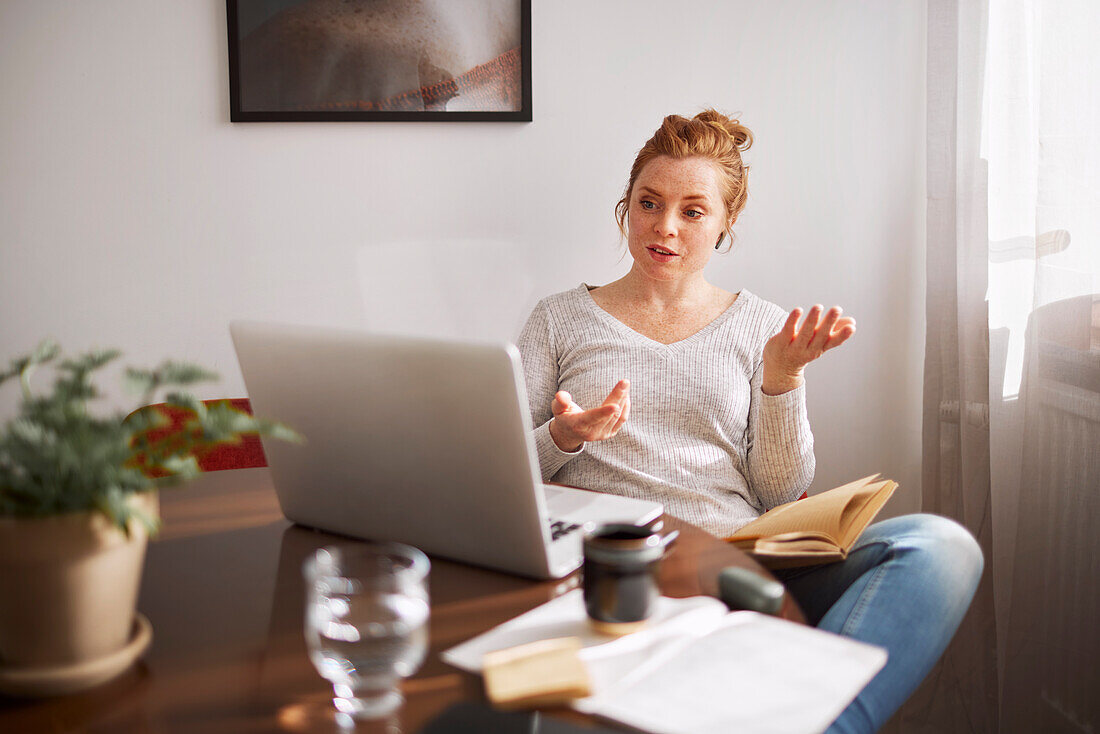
(246, 454)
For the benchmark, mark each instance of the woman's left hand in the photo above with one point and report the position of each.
(787, 353)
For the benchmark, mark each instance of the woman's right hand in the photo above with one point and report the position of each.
(572, 426)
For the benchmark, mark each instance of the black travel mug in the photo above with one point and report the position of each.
(620, 576)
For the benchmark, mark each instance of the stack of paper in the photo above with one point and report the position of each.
(699, 668)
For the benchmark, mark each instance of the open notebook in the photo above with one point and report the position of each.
(817, 529)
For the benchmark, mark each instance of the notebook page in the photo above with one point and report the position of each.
(858, 516)
(754, 674)
(823, 512)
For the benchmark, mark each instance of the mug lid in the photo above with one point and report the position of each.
(612, 542)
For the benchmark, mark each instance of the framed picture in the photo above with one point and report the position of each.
(382, 60)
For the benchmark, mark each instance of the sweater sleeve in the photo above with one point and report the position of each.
(540, 369)
(781, 446)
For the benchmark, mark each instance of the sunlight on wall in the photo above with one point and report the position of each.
(447, 294)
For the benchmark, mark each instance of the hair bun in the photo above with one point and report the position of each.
(741, 135)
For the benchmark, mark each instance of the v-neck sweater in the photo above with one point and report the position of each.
(701, 437)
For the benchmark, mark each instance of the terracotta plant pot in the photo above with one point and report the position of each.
(68, 586)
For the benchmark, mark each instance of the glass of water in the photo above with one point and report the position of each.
(366, 622)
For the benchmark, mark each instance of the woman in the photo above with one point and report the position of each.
(707, 413)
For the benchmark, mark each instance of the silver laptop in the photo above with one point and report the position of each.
(422, 441)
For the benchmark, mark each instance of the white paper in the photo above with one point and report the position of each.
(698, 669)
(752, 674)
(565, 616)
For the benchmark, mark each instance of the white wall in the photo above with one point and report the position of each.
(134, 214)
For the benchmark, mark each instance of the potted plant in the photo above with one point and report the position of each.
(78, 502)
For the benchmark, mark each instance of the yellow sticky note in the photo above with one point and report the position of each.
(543, 673)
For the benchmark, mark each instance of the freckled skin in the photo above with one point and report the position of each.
(661, 213)
(350, 50)
(668, 298)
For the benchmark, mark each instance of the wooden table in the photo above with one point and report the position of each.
(223, 589)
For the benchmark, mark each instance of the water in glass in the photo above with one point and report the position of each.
(367, 623)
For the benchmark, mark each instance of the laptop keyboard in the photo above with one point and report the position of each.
(561, 528)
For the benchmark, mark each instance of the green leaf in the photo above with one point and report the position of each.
(152, 524)
(25, 366)
(279, 431)
(33, 434)
(183, 373)
(90, 361)
(138, 381)
(112, 502)
(185, 465)
(46, 350)
(144, 419)
(186, 401)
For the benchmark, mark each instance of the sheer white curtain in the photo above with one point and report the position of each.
(1012, 374)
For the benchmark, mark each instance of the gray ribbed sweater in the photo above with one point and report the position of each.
(701, 437)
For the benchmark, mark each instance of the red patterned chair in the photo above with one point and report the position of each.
(248, 453)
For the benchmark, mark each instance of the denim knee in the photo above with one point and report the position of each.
(947, 549)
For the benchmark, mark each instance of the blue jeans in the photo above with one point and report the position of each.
(905, 586)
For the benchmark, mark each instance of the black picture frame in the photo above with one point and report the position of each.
(341, 111)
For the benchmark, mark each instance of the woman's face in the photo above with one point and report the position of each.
(675, 218)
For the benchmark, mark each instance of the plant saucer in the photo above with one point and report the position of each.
(56, 680)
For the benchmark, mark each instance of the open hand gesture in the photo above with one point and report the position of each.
(572, 425)
(787, 353)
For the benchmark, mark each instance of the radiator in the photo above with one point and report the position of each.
(1052, 682)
